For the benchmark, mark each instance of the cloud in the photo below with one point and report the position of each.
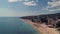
(30, 3)
(12, 0)
(26, 2)
(53, 6)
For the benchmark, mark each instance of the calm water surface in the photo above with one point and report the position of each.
(13, 25)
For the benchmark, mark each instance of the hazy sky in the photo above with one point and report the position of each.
(28, 7)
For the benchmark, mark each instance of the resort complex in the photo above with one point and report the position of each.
(50, 22)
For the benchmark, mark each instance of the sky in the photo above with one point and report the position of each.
(28, 7)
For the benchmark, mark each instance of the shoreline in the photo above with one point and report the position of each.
(41, 28)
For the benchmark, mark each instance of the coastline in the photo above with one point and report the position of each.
(41, 28)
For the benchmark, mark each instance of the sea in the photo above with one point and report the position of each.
(13, 25)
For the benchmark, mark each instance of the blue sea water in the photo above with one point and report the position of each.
(13, 25)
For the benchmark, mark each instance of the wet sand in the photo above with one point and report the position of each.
(42, 28)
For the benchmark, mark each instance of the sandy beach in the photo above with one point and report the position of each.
(43, 29)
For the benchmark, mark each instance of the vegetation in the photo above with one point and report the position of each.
(49, 19)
